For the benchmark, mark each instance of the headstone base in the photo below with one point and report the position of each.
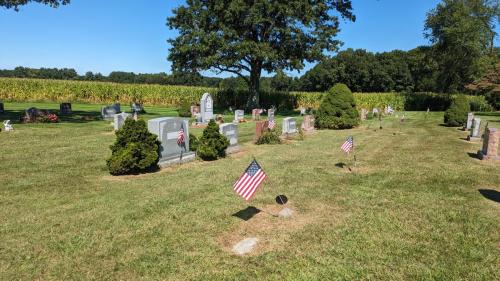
(186, 157)
(233, 149)
(469, 138)
(486, 157)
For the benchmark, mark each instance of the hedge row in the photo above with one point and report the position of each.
(33, 90)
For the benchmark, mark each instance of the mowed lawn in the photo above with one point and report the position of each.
(412, 209)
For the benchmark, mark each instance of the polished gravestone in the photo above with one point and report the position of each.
(490, 145)
(119, 120)
(167, 129)
(470, 118)
(230, 131)
(65, 108)
(207, 108)
(108, 112)
(474, 131)
(270, 114)
(308, 124)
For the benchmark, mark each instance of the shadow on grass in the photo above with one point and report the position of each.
(76, 117)
(490, 194)
(341, 165)
(247, 214)
(473, 155)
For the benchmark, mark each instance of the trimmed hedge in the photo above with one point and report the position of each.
(337, 110)
(456, 115)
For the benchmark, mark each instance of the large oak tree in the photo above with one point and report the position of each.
(246, 37)
(14, 4)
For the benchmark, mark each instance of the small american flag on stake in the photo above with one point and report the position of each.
(180, 137)
(348, 145)
(271, 124)
(251, 179)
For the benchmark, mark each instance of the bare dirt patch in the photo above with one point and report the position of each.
(274, 232)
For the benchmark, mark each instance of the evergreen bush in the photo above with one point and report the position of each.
(212, 144)
(338, 109)
(456, 115)
(193, 142)
(184, 109)
(135, 149)
(269, 137)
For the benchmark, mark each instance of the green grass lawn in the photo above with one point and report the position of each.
(411, 210)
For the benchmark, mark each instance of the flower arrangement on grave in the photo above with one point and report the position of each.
(52, 118)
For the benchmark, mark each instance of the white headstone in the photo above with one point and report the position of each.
(230, 131)
(470, 117)
(7, 126)
(476, 126)
(119, 120)
(239, 115)
(207, 108)
(289, 126)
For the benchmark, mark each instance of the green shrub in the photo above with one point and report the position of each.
(135, 149)
(370, 115)
(479, 104)
(269, 137)
(184, 109)
(421, 101)
(212, 144)
(338, 109)
(193, 142)
(456, 115)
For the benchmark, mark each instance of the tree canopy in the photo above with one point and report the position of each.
(14, 4)
(248, 37)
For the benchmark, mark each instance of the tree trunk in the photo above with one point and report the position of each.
(254, 86)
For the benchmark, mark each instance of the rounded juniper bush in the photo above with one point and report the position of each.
(456, 115)
(212, 144)
(135, 150)
(337, 110)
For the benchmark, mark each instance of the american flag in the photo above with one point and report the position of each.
(271, 124)
(348, 145)
(180, 137)
(251, 179)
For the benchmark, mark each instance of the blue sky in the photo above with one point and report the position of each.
(130, 35)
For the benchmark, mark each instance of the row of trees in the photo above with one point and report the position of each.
(188, 79)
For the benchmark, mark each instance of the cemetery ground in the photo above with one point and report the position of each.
(417, 206)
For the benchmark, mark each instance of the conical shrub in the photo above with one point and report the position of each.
(337, 110)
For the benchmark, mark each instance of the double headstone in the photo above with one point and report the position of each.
(108, 112)
(470, 118)
(308, 124)
(207, 108)
(239, 115)
(490, 145)
(230, 130)
(65, 108)
(289, 126)
(119, 120)
(2, 109)
(474, 131)
(169, 130)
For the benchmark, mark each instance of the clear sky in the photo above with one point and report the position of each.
(130, 35)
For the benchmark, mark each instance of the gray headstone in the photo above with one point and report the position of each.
(270, 114)
(108, 112)
(239, 115)
(245, 246)
(167, 129)
(470, 117)
(230, 131)
(476, 126)
(65, 108)
(136, 107)
(289, 125)
(207, 108)
(119, 120)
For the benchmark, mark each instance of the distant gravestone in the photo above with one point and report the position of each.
(65, 108)
(302, 111)
(2, 109)
(8, 126)
(108, 112)
(474, 131)
(239, 115)
(167, 129)
(136, 108)
(270, 114)
(364, 113)
(308, 124)
(289, 126)
(230, 131)
(207, 108)
(119, 120)
(195, 109)
(260, 128)
(256, 112)
(490, 145)
(470, 118)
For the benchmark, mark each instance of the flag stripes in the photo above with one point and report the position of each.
(249, 182)
(348, 145)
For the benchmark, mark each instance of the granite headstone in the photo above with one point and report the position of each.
(289, 126)
(207, 108)
(65, 108)
(239, 115)
(230, 131)
(474, 131)
(167, 129)
(119, 120)
(108, 112)
(490, 145)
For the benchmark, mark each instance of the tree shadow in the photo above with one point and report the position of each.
(247, 213)
(490, 194)
(75, 117)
